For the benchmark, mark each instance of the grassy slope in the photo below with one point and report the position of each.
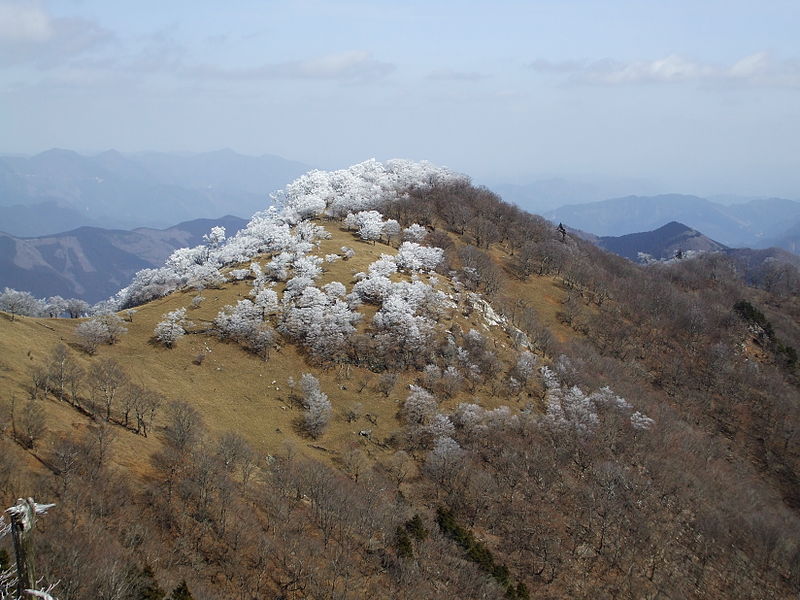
(232, 389)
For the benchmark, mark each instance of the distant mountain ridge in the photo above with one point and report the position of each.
(92, 263)
(59, 189)
(662, 243)
(754, 224)
(676, 240)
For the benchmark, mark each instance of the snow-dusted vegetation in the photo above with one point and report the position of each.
(485, 407)
(284, 228)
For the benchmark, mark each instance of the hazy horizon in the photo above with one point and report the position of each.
(686, 97)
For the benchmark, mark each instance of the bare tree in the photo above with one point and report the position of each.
(106, 381)
(32, 423)
(184, 427)
(62, 370)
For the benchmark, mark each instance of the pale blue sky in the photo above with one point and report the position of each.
(699, 96)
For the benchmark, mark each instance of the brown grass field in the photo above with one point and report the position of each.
(235, 390)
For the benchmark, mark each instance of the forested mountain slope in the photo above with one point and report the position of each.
(662, 243)
(441, 399)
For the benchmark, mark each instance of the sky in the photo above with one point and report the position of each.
(697, 96)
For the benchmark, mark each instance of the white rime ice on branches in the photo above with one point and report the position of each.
(366, 186)
(320, 321)
(317, 407)
(244, 323)
(266, 301)
(414, 233)
(407, 309)
(363, 187)
(446, 453)
(571, 407)
(334, 289)
(641, 421)
(474, 419)
(369, 224)
(413, 257)
(172, 327)
(419, 406)
(21, 303)
(235, 322)
(214, 238)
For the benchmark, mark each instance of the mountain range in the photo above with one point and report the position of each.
(60, 189)
(674, 240)
(758, 223)
(92, 263)
(662, 243)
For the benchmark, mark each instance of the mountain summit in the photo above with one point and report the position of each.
(662, 243)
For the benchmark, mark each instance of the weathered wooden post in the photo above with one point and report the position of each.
(23, 518)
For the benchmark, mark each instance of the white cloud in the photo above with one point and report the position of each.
(759, 69)
(30, 36)
(668, 69)
(750, 66)
(24, 22)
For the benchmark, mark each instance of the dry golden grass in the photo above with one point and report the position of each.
(235, 390)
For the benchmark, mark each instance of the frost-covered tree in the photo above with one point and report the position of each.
(307, 266)
(214, 238)
(445, 456)
(474, 420)
(204, 276)
(414, 257)
(307, 231)
(244, 324)
(572, 408)
(347, 252)
(372, 290)
(400, 327)
(525, 367)
(318, 409)
(384, 266)
(414, 233)
(295, 287)
(334, 289)
(641, 421)
(285, 228)
(172, 327)
(55, 306)
(368, 224)
(102, 329)
(278, 267)
(266, 300)
(76, 307)
(239, 274)
(419, 407)
(306, 196)
(323, 324)
(390, 230)
(20, 303)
